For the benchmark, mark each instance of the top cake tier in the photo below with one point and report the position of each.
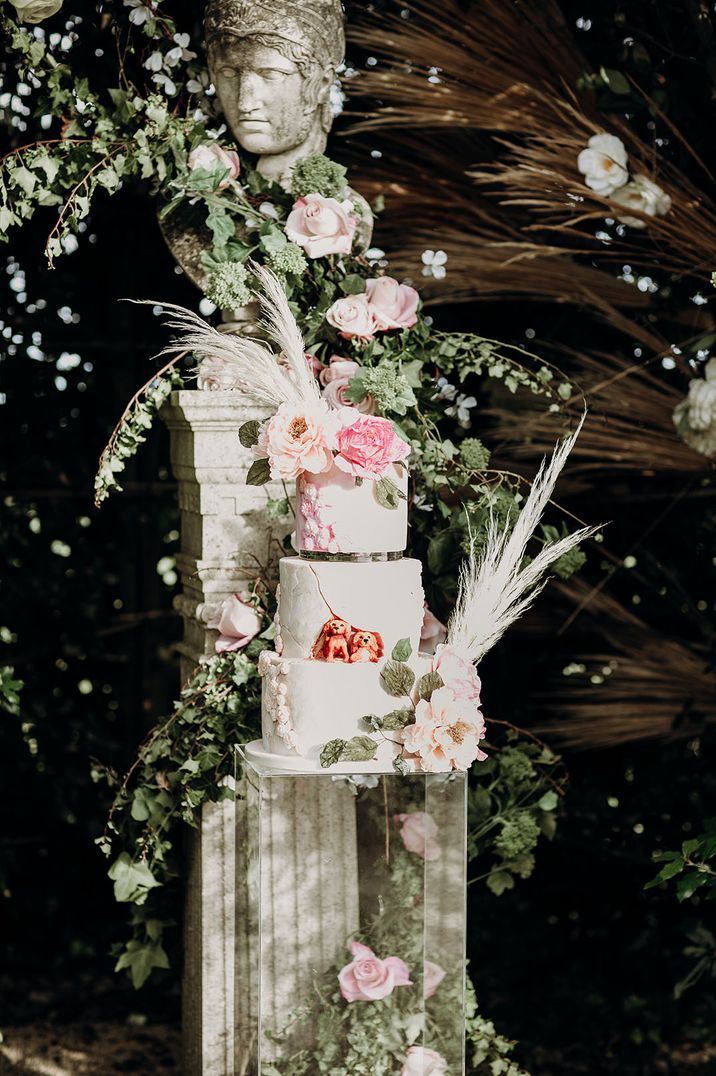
(336, 515)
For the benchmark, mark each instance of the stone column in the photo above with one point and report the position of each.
(225, 534)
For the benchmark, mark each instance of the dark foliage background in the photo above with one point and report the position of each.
(578, 963)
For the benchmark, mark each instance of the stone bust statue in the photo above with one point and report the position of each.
(273, 63)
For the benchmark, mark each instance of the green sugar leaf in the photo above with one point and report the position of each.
(397, 719)
(402, 650)
(249, 433)
(398, 678)
(332, 752)
(428, 683)
(359, 749)
(259, 473)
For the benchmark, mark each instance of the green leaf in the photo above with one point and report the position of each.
(132, 880)
(387, 493)
(549, 801)
(397, 719)
(360, 749)
(259, 473)
(249, 433)
(332, 752)
(615, 80)
(352, 284)
(139, 959)
(499, 881)
(397, 677)
(401, 766)
(402, 650)
(687, 886)
(428, 683)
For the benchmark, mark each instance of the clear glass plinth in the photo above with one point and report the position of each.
(350, 925)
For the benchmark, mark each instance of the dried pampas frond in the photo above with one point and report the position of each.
(256, 368)
(499, 586)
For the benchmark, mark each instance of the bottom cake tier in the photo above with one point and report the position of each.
(308, 703)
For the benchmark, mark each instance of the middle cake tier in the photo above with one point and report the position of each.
(384, 597)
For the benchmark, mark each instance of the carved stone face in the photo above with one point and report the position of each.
(269, 103)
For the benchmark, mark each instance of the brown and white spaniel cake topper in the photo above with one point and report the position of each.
(340, 641)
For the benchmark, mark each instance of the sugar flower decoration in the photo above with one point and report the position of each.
(298, 438)
(367, 446)
(446, 733)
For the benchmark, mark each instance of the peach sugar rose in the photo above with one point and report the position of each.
(321, 226)
(298, 438)
(367, 446)
(446, 733)
(367, 978)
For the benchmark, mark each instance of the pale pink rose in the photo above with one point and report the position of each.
(446, 733)
(419, 831)
(457, 672)
(367, 446)
(352, 316)
(338, 377)
(327, 372)
(432, 632)
(367, 978)
(393, 305)
(422, 1061)
(321, 226)
(213, 158)
(433, 975)
(237, 623)
(298, 438)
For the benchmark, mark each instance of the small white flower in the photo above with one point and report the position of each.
(165, 82)
(358, 780)
(461, 409)
(446, 391)
(642, 194)
(182, 40)
(434, 263)
(172, 57)
(603, 164)
(268, 210)
(154, 62)
(695, 416)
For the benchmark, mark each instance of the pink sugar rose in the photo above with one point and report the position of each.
(336, 378)
(321, 226)
(212, 157)
(367, 446)
(393, 305)
(367, 978)
(446, 733)
(422, 1061)
(298, 438)
(457, 672)
(432, 632)
(237, 623)
(433, 975)
(352, 316)
(419, 831)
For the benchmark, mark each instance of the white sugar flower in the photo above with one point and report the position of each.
(642, 194)
(434, 263)
(603, 164)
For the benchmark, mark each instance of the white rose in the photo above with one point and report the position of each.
(422, 1061)
(36, 10)
(645, 196)
(603, 164)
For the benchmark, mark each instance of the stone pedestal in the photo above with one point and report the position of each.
(226, 538)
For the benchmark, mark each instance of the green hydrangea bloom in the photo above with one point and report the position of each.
(228, 287)
(569, 563)
(516, 767)
(519, 834)
(318, 175)
(287, 260)
(473, 454)
(387, 385)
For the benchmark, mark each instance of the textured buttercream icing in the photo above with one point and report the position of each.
(335, 515)
(377, 596)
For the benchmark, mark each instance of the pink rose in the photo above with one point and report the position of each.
(433, 975)
(336, 378)
(419, 834)
(367, 978)
(457, 672)
(367, 446)
(237, 623)
(352, 316)
(422, 1061)
(298, 438)
(432, 632)
(213, 158)
(321, 226)
(446, 733)
(393, 305)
